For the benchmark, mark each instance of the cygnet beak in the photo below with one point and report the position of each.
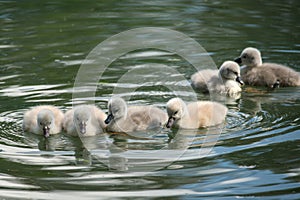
(46, 131)
(239, 80)
(109, 118)
(170, 122)
(238, 60)
(82, 127)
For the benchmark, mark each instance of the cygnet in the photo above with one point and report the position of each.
(84, 120)
(123, 118)
(226, 80)
(43, 120)
(256, 73)
(200, 114)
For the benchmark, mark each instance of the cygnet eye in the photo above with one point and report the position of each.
(244, 56)
(41, 123)
(175, 113)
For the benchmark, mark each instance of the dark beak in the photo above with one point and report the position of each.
(239, 80)
(82, 127)
(238, 60)
(109, 118)
(170, 122)
(276, 84)
(46, 131)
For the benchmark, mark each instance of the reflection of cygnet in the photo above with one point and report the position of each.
(84, 120)
(226, 80)
(133, 118)
(43, 120)
(272, 75)
(198, 114)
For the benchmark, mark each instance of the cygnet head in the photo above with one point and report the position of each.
(45, 121)
(176, 109)
(81, 118)
(250, 57)
(230, 70)
(117, 108)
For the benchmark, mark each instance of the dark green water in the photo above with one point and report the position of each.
(42, 47)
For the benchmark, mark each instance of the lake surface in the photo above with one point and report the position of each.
(44, 44)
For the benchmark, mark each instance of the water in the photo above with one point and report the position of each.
(42, 47)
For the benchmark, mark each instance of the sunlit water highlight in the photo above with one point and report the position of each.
(256, 155)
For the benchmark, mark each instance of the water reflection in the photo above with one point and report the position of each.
(42, 47)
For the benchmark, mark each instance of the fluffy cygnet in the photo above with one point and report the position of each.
(43, 120)
(272, 75)
(198, 114)
(84, 120)
(123, 118)
(226, 80)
